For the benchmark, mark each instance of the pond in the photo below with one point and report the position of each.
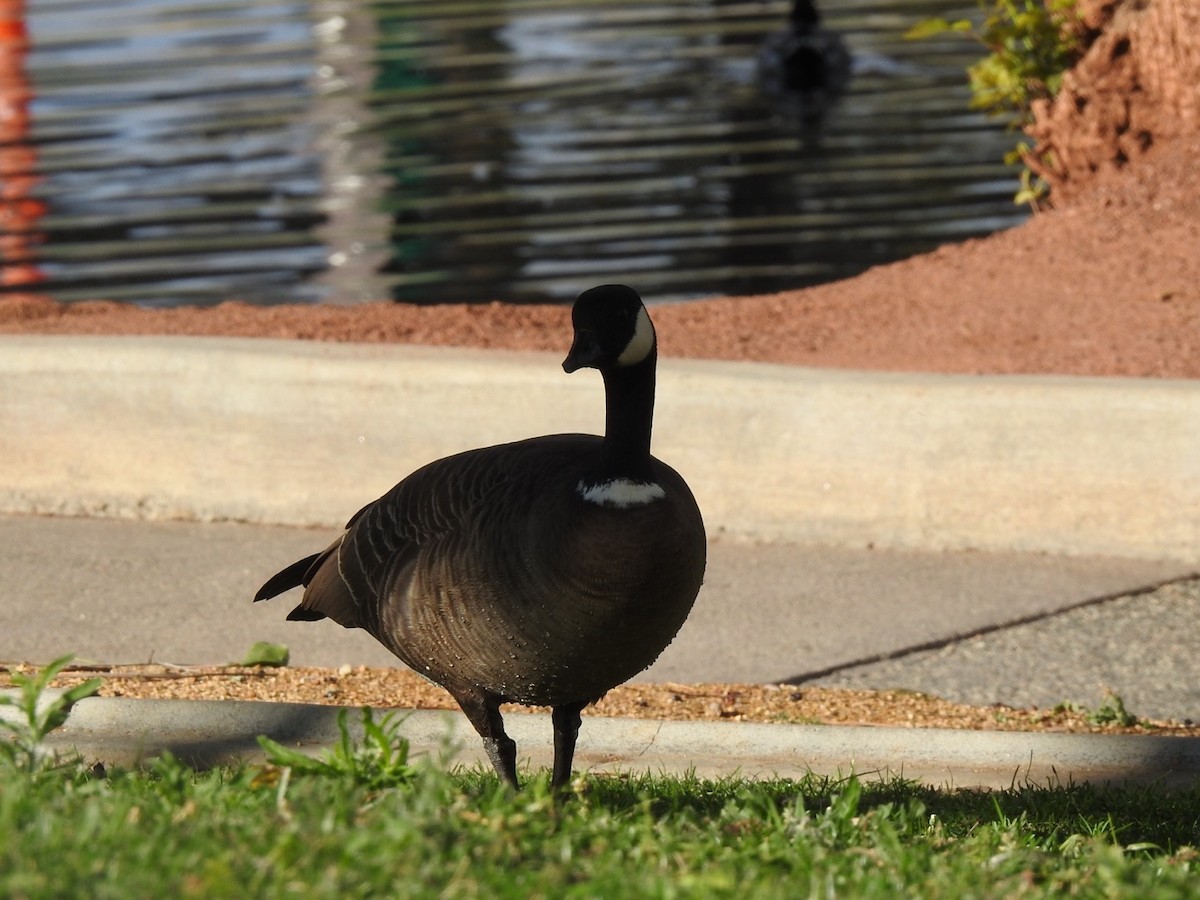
(331, 151)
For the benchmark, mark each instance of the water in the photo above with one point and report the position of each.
(173, 150)
(191, 152)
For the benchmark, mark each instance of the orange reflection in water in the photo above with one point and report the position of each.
(19, 211)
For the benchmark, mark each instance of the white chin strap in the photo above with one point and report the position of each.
(641, 343)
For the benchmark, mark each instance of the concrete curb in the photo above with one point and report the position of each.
(204, 733)
(302, 433)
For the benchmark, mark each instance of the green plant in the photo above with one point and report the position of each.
(264, 653)
(38, 715)
(1111, 712)
(1031, 44)
(379, 760)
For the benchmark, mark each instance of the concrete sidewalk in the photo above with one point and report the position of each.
(126, 591)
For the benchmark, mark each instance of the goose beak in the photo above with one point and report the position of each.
(585, 351)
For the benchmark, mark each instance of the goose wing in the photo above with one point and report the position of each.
(348, 580)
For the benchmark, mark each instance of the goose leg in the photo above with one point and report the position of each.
(483, 712)
(566, 722)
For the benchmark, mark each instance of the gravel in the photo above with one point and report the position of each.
(400, 688)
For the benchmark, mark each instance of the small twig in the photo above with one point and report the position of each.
(197, 673)
(174, 671)
(688, 690)
(105, 667)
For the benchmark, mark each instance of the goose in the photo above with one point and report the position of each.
(542, 572)
(804, 68)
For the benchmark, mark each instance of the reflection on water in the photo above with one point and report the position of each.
(194, 150)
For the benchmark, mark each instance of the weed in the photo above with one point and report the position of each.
(378, 760)
(38, 715)
(1111, 712)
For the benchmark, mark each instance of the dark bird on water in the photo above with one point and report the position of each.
(805, 68)
(542, 572)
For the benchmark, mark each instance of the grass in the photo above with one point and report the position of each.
(365, 821)
(249, 832)
(266, 831)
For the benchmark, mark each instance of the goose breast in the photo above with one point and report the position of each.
(531, 590)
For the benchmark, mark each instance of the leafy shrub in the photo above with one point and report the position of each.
(1030, 46)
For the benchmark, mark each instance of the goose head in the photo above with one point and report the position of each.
(612, 330)
(804, 17)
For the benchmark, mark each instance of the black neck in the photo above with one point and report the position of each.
(629, 417)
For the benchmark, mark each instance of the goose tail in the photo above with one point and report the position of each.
(326, 594)
(291, 577)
